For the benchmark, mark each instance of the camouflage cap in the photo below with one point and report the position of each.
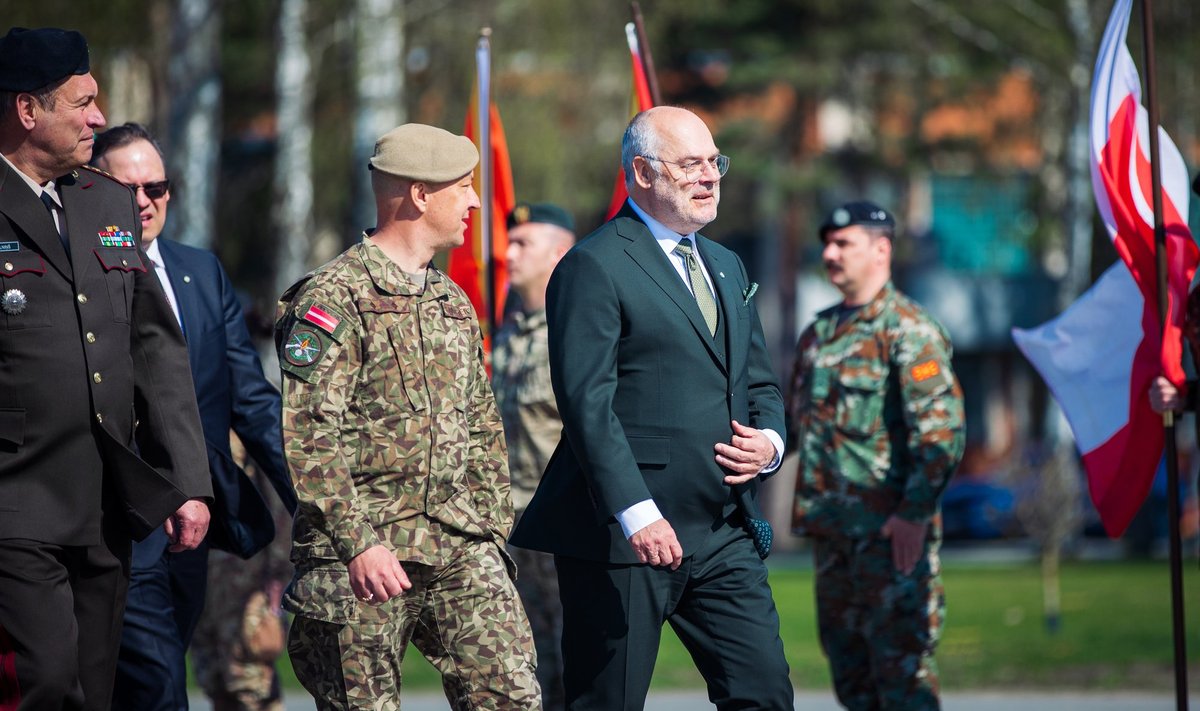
(425, 153)
(858, 212)
(33, 59)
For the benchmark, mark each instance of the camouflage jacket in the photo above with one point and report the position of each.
(521, 381)
(879, 416)
(389, 425)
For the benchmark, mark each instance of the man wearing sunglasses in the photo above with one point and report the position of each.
(167, 589)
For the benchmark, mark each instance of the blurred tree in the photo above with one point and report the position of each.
(379, 45)
(293, 184)
(194, 127)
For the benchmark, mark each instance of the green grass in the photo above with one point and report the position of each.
(1115, 631)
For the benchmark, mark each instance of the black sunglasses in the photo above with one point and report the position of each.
(153, 190)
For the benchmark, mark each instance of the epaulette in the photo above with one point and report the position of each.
(98, 171)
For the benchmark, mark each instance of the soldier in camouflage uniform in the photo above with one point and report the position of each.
(538, 236)
(397, 451)
(879, 415)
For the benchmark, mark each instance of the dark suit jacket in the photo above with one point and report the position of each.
(644, 393)
(232, 392)
(94, 354)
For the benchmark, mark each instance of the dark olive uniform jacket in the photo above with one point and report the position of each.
(94, 354)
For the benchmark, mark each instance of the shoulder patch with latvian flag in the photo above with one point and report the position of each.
(309, 339)
(325, 319)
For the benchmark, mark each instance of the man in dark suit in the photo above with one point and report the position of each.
(167, 590)
(100, 440)
(670, 414)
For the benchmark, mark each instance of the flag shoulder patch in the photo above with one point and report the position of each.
(924, 371)
(926, 376)
(324, 318)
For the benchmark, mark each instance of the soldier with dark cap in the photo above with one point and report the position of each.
(539, 235)
(879, 418)
(397, 452)
(100, 441)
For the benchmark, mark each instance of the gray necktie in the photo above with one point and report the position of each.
(704, 295)
(61, 222)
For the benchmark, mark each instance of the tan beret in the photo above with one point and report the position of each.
(426, 153)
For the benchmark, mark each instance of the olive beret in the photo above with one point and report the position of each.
(859, 212)
(542, 213)
(425, 153)
(34, 59)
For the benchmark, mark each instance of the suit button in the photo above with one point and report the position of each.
(8, 267)
(187, 280)
(81, 299)
(124, 262)
(91, 337)
(99, 418)
(96, 378)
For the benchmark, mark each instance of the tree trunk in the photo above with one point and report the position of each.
(293, 185)
(194, 130)
(379, 37)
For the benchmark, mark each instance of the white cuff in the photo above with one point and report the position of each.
(778, 442)
(638, 516)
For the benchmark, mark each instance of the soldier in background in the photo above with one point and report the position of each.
(241, 632)
(398, 456)
(538, 236)
(879, 415)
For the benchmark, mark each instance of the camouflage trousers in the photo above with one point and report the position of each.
(538, 587)
(879, 627)
(464, 617)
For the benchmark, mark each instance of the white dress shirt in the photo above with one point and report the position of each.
(160, 269)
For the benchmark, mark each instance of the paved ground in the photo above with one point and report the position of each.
(820, 701)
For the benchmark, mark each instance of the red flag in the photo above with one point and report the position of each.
(1121, 468)
(481, 252)
(639, 100)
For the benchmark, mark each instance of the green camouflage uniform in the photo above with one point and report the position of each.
(232, 672)
(532, 426)
(393, 439)
(879, 414)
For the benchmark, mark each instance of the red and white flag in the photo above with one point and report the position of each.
(1100, 356)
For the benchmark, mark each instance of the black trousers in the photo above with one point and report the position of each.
(60, 623)
(718, 602)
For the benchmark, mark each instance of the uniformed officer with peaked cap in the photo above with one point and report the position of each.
(99, 435)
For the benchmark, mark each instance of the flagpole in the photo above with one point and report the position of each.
(644, 53)
(1160, 253)
(483, 67)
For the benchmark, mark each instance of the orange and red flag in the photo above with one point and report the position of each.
(478, 265)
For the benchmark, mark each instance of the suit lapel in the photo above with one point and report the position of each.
(183, 283)
(22, 206)
(644, 250)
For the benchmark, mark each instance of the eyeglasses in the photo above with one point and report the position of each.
(693, 171)
(153, 190)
